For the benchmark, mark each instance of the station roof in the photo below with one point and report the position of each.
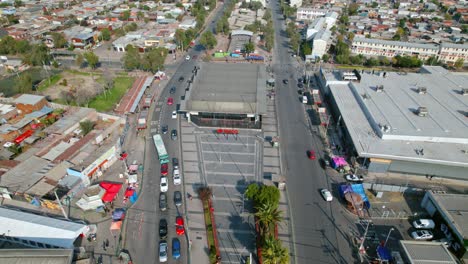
(383, 124)
(228, 88)
(455, 206)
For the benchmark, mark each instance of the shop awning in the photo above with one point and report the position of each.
(112, 189)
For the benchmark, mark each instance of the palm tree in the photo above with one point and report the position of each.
(204, 193)
(267, 215)
(274, 253)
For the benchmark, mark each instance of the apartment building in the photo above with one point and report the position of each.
(296, 3)
(390, 49)
(320, 44)
(307, 13)
(445, 52)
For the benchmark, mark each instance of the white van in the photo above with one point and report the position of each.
(304, 99)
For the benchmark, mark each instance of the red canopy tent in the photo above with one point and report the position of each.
(129, 192)
(112, 189)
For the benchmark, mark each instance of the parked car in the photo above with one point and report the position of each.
(174, 134)
(175, 163)
(444, 241)
(162, 251)
(164, 169)
(300, 85)
(354, 178)
(326, 194)
(162, 228)
(175, 248)
(187, 58)
(177, 198)
(164, 129)
(177, 179)
(422, 235)
(162, 201)
(179, 223)
(325, 162)
(174, 114)
(424, 224)
(173, 90)
(285, 81)
(170, 101)
(311, 154)
(181, 78)
(163, 184)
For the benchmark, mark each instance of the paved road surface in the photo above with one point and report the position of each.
(142, 236)
(320, 229)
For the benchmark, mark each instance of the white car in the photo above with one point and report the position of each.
(187, 58)
(354, 178)
(163, 251)
(422, 235)
(326, 194)
(164, 186)
(174, 114)
(424, 224)
(177, 179)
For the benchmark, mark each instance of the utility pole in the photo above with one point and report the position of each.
(361, 248)
(61, 206)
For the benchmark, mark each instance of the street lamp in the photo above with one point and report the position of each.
(389, 232)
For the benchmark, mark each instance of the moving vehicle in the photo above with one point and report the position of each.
(162, 251)
(424, 224)
(422, 235)
(174, 134)
(162, 228)
(162, 201)
(175, 163)
(174, 114)
(181, 78)
(354, 178)
(285, 81)
(173, 90)
(311, 154)
(142, 120)
(187, 58)
(164, 129)
(175, 248)
(304, 99)
(160, 149)
(179, 226)
(177, 198)
(164, 169)
(163, 185)
(177, 179)
(326, 194)
(170, 101)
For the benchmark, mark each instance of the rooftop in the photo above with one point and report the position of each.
(384, 123)
(25, 175)
(456, 207)
(28, 99)
(37, 256)
(419, 252)
(228, 88)
(397, 43)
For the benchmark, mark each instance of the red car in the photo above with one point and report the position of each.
(179, 226)
(170, 101)
(164, 169)
(311, 154)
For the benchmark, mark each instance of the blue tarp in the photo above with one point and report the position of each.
(118, 214)
(384, 253)
(134, 197)
(359, 189)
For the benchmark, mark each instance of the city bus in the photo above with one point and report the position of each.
(162, 153)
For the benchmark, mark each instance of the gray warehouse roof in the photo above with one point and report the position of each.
(455, 206)
(384, 125)
(28, 99)
(36, 256)
(228, 88)
(26, 174)
(419, 252)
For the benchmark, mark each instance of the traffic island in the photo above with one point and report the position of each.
(204, 194)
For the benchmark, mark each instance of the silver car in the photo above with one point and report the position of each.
(162, 251)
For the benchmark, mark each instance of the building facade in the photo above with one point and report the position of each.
(307, 13)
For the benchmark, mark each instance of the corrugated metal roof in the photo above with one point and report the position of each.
(427, 252)
(36, 256)
(28, 99)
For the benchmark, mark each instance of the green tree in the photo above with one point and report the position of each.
(268, 216)
(59, 40)
(105, 34)
(306, 48)
(249, 47)
(267, 15)
(154, 59)
(325, 57)
(208, 40)
(384, 61)
(131, 59)
(22, 46)
(86, 126)
(92, 59)
(273, 252)
(38, 55)
(432, 61)
(204, 193)
(353, 9)
(23, 84)
(459, 63)
(140, 15)
(356, 60)
(79, 60)
(372, 62)
(125, 15)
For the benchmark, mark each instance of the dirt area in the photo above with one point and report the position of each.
(223, 43)
(74, 81)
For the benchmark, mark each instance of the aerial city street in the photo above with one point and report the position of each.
(228, 131)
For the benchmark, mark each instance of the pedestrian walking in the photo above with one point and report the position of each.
(107, 242)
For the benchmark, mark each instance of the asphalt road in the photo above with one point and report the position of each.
(320, 229)
(142, 238)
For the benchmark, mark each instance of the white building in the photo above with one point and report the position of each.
(307, 13)
(330, 19)
(188, 23)
(315, 27)
(320, 44)
(450, 53)
(296, 3)
(263, 2)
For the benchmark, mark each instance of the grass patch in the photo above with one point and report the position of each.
(47, 83)
(83, 73)
(106, 101)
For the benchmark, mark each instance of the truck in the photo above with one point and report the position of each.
(147, 101)
(142, 120)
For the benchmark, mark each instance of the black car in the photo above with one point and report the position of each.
(162, 228)
(285, 81)
(300, 85)
(174, 134)
(173, 89)
(175, 163)
(177, 198)
(181, 78)
(164, 129)
(162, 201)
